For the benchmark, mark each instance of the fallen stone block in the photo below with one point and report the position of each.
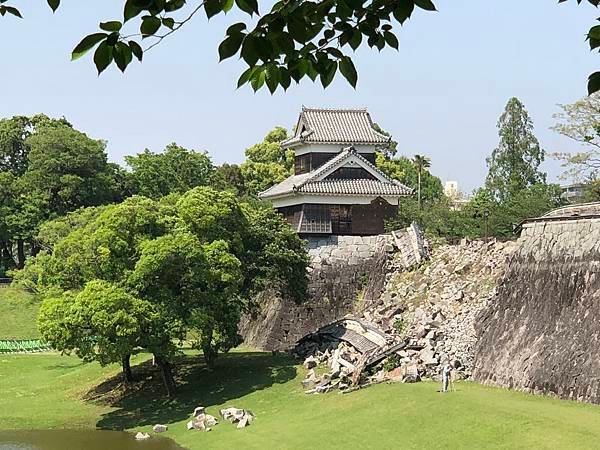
(158, 428)
(139, 436)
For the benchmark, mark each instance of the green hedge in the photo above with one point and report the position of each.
(23, 346)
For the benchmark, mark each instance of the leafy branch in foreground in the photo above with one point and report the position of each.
(294, 40)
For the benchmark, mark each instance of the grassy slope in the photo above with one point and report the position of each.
(18, 312)
(41, 391)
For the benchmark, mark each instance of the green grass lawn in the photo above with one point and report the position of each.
(18, 312)
(52, 391)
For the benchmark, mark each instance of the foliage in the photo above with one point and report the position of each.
(514, 164)
(193, 262)
(49, 169)
(390, 150)
(400, 325)
(293, 40)
(402, 169)
(392, 362)
(18, 310)
(437, 218)
(580, 122)
(176, 169)
(267, 163)
(229, 176)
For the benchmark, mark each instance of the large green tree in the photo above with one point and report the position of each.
(176, 169)
(292, 40)
(514, 164)
(48, 169)
(404, 170)
(267, 163)
(194, 261)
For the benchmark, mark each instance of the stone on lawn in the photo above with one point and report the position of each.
(199, 410)
(141, 436)
(159, 428)
(310, 362)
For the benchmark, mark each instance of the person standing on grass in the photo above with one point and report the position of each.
(446, 374)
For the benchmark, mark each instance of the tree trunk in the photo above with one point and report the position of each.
(20, 254)
(210, 356)
(419, 189)
(34, 248)
(167, 375)
(126, 364)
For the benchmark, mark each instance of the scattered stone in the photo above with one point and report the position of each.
(242, 417)
(141, 436)
(199, 410)
(159, 428)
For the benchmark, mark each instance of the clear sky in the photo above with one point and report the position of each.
(441, 95)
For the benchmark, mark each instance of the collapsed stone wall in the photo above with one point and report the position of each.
(542, 331)
(344, 271)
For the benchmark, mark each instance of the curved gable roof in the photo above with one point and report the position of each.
(335, 126)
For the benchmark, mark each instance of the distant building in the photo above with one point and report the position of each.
(336, 188)
(451, 189)
(573, 192)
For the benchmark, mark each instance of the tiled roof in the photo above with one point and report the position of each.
(308, 183)
(355, 187)
(336, 126)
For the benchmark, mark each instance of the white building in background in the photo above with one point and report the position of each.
(451, 189)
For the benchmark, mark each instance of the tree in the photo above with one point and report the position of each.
(291, 41)
(514, 164)
(580, 122)
(194, 262)
(229, 176)
(421, 162)
(267, 163)
(402, 169)
(176, 169)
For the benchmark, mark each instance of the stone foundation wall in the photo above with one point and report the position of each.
(542, 332)
(344, 272)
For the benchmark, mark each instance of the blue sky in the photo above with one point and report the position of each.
(441, 95)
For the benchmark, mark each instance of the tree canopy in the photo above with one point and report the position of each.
(514, 164)
(292, 40)
(146, 273)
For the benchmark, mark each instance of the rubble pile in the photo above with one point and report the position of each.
(434, 307)
(424, 318)
(242, 417)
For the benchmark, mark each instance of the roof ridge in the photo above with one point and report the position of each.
(358, 109)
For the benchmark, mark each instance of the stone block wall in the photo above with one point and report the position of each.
(344, 272)
(542, 332)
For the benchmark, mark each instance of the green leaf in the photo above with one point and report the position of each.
(246, 76)
(111, 26)
(349, 71)
(594, 32)
(355, 40)
(404, 10)
(594, 83)
(227, 5)
(10, 10)
(230, 46)
(328, 74)
(212, 7)
(103, 57)
(168, 22)
(249, 52)
(54, 4)
(425, 4)
(86, 44)
(284, 78)
(391, 39)
(123, 55)
(236, 28)
(272, 77)
(258, 79)
(136, 49)
(150, 25)
(131, 10)
(248, 6)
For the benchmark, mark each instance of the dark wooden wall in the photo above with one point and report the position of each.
(369, 219)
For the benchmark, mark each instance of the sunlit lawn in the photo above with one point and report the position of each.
(51, 391)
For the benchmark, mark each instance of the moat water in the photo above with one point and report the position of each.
(81, 440)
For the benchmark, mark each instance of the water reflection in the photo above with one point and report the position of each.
(80, 440)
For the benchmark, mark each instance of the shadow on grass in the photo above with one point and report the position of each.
(145, 402)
